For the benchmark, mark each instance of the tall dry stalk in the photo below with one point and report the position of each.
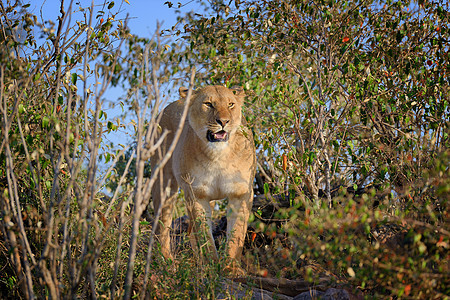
(148, 141)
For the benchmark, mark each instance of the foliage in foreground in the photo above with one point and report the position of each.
(60, 236)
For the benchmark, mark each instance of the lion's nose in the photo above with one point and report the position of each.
(222, 122)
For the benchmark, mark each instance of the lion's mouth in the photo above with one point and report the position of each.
(220, 136)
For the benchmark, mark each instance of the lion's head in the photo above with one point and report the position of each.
(215, 112)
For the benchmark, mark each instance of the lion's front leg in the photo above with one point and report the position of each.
(237, 218)
(201, 237)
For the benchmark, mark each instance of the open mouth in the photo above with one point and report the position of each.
(220, 136)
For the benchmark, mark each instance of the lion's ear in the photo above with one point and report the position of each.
(183, 92)
(238, 91)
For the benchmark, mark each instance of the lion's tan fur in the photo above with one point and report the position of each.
(207, 170)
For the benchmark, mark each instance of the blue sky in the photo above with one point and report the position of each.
(143, 14)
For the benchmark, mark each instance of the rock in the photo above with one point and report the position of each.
(330, 294)
(312, 294)
(285, 286)
(234, 290)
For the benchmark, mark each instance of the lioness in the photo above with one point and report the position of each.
(213, 159)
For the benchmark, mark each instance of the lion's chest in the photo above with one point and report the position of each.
(217, 185)
(214, 180)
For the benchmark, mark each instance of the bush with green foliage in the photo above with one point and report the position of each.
(349, 106)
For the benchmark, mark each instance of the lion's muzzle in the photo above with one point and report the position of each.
(220, 136)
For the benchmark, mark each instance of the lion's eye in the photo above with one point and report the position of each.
(230, 105)
(209, 104)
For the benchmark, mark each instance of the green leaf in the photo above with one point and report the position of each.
(266, 188)
(422, 247)
(74, 78)
(29, 139)
(417, 238)
(111, 126)
(144, 223)
(107, 157)
(251, 218)
(111, 5)
(45, 121)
